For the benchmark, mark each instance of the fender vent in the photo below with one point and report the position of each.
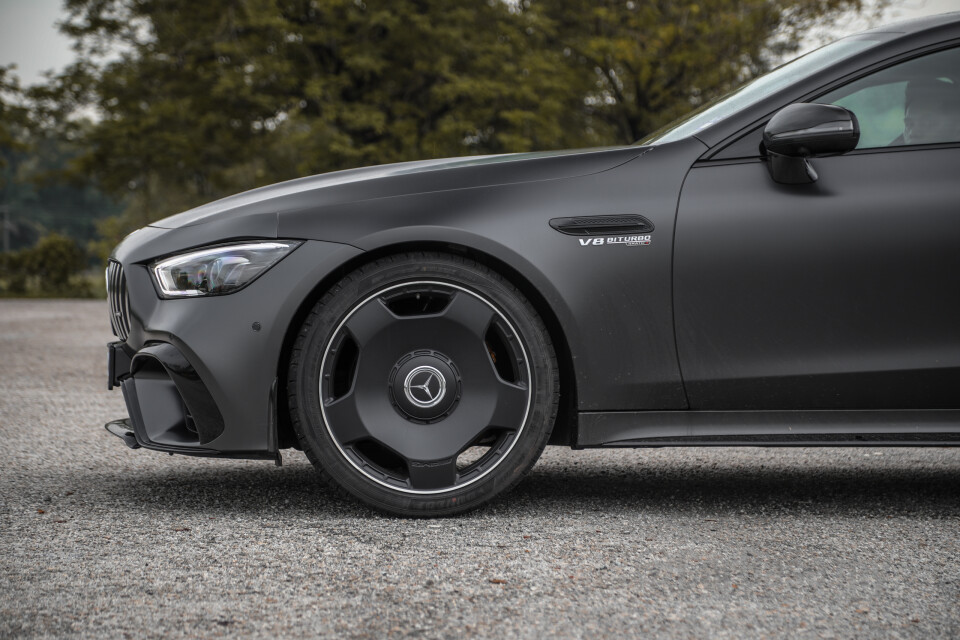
(601, 225)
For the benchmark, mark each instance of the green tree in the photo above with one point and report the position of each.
(642, 63)
(13, 120)
(40, 188)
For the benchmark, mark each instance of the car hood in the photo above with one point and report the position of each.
(406, 178)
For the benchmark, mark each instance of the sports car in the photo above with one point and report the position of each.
(779, 267)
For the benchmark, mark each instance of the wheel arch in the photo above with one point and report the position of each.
(564, 431)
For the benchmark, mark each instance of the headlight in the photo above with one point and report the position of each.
(218, 270)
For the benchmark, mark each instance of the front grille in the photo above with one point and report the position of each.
(117, 295)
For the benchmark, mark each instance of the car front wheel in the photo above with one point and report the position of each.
(423, 384)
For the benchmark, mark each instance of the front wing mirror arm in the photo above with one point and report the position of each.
(790, 169)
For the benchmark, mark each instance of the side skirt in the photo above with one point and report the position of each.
(902, 428)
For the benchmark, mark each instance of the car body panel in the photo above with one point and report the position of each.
(841, 294)
(802, 428)
(150, 243)
(508, 222)
(747, 296)
(406, 178)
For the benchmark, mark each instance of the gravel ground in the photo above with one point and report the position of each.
(99, 540)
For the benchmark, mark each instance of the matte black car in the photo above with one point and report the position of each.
(781, 267)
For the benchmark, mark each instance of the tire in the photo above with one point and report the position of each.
(423, 384)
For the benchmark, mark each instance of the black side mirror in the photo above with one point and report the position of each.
(801, 131)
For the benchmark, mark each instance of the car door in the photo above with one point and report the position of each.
(843, 293)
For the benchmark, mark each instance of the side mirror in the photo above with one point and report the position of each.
(801, 131)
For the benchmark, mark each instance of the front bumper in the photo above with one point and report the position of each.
(199, 376)
(119, 356)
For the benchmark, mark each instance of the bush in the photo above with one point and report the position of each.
(12, 273)
(50, 268)
(53, 260)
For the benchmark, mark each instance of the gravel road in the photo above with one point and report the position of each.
(99, 540)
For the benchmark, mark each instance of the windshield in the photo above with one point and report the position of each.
(760, 88)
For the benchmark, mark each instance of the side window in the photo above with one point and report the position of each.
(880, 111)
(914, 102)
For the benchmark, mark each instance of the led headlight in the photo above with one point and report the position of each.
(218, 270)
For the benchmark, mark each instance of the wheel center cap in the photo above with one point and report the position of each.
(425, 386)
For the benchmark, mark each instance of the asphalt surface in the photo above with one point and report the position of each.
(99, 540)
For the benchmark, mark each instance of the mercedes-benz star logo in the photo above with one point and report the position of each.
(424, 387)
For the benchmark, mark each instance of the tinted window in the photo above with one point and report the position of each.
(762, 87)
(914, 102)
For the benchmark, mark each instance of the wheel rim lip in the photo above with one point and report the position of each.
(377, 294)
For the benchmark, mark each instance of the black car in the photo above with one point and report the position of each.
(781, 267)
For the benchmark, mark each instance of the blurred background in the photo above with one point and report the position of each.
(115, 113)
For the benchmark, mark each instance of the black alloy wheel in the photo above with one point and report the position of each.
(423, 384)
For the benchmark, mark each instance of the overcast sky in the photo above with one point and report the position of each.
(29, 36)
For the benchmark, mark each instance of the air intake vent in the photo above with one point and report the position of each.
(601, 225)
(117, 296)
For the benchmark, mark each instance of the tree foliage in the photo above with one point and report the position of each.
(650, 62)
(40, 189)
(13, 120)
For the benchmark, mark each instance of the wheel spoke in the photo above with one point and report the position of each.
(369, 321)
(511, 405)
(470, 313)
(344, 420)
(433, 474)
